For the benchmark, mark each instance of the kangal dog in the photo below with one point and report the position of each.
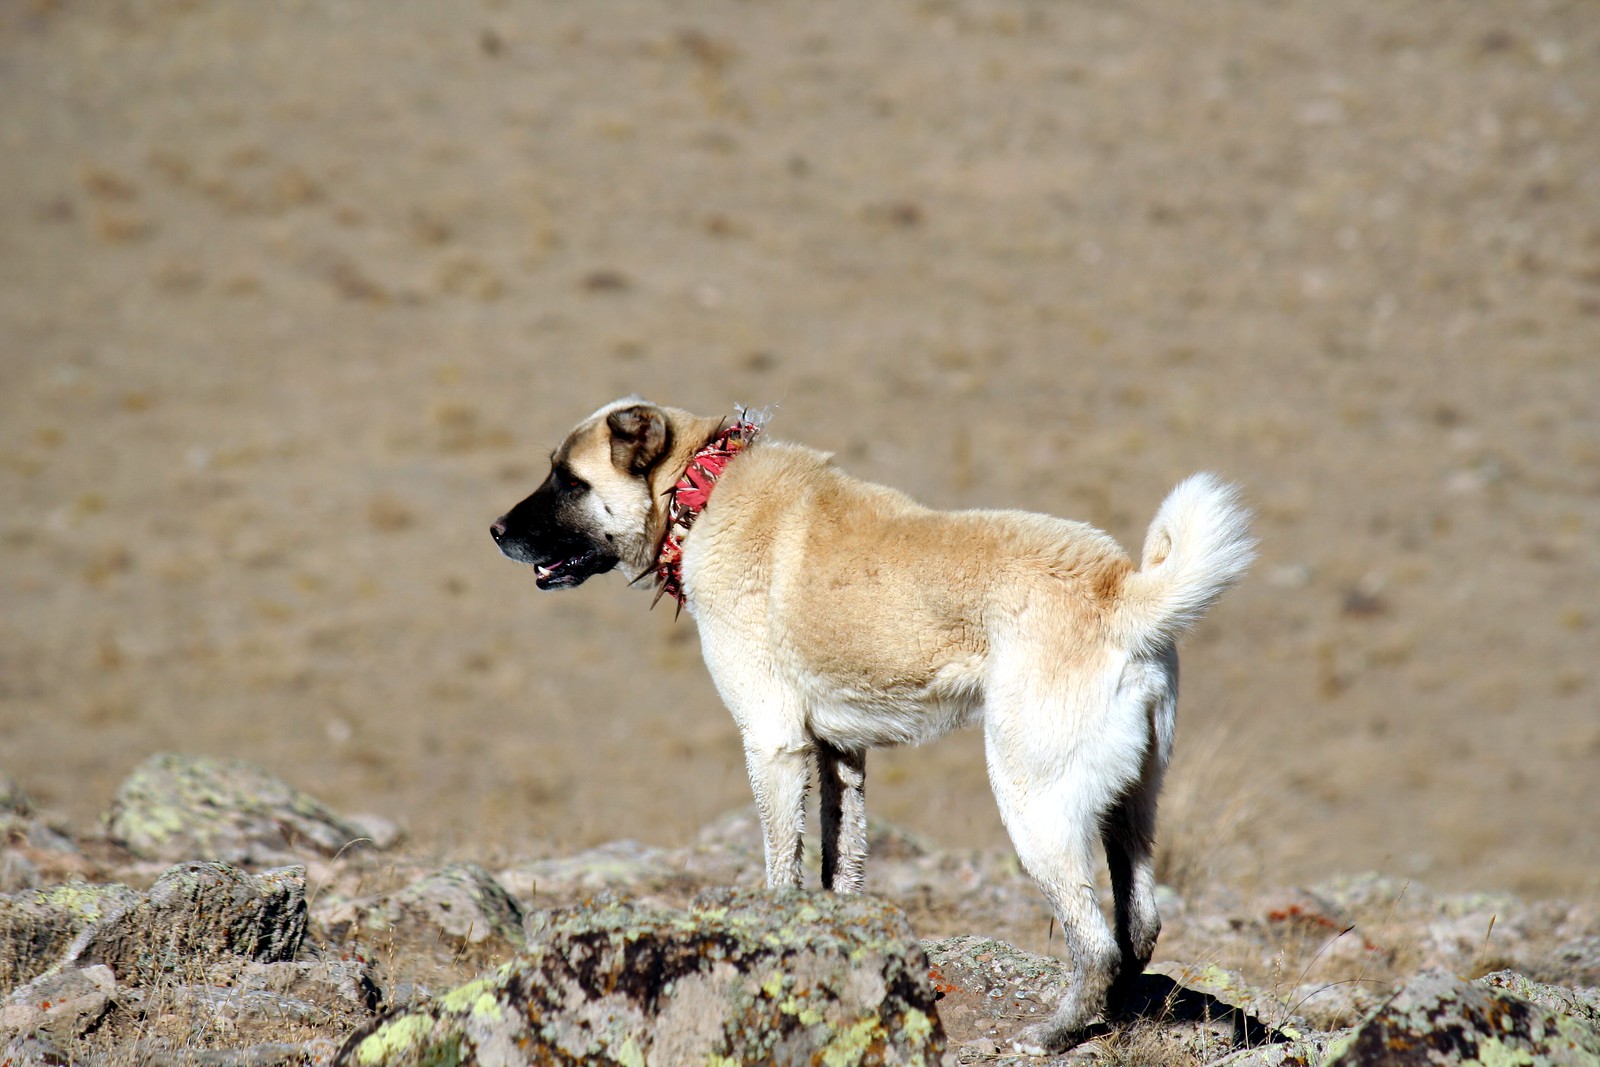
(836, 616)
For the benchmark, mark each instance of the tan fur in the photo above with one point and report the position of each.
(836, 616)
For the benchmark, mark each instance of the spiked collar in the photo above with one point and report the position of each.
(688, 497)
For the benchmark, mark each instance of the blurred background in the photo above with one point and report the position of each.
(296, 297)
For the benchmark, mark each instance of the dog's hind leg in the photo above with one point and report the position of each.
(1057, 765)
(1128, 829)
(1054, 839)
(842, 776)
(1128, 834)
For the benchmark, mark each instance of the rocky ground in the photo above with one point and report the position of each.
(219, 916)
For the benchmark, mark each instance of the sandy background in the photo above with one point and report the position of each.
(295, 297)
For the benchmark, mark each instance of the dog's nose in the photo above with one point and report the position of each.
(498, 530)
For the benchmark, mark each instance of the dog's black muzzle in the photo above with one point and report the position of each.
(539, 531)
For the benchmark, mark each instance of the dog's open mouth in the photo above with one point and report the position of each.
(572, 571)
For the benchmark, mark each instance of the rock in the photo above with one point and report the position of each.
(1309, 1051)
(12, 798)
(63, 1005)
(1224, 994)
(1439, 1019)
(1580, 1004)
(230, 1007)
(382, 833)
(175, 807)
(619, 866)
(743, 976)
(466, 902)
(32, 851)
(36, 927)
(271, 1054)
(350, 984)
(461, 900)
(1578, 960)
(989, 988)
(32, 1050)
(197, 914)
(17, 871)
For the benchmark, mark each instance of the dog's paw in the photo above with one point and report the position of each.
(1042, 1039)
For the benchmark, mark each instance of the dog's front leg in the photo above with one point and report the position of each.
(842, 778)
(778, 777)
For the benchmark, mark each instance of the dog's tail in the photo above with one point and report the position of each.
(1199, 544)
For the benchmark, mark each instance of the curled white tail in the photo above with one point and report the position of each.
(1198, 545)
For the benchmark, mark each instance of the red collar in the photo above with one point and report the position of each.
(688, 498)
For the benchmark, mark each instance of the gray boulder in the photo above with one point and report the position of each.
(743, 976)
(176, 807)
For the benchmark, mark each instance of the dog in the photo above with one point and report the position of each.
(836, 616)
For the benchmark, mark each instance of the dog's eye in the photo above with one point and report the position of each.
(571, 482)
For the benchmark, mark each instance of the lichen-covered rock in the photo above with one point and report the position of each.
(195, 915)
(176, 807)
(1440, 1019)
(37, 926)
(1580, 1004)
(744, 976)
(462, 901)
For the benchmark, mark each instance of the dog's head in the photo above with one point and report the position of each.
(601, 504)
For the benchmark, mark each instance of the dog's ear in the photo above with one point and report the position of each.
(638, 437)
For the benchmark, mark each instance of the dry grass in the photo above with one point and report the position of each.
(1209, 816)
